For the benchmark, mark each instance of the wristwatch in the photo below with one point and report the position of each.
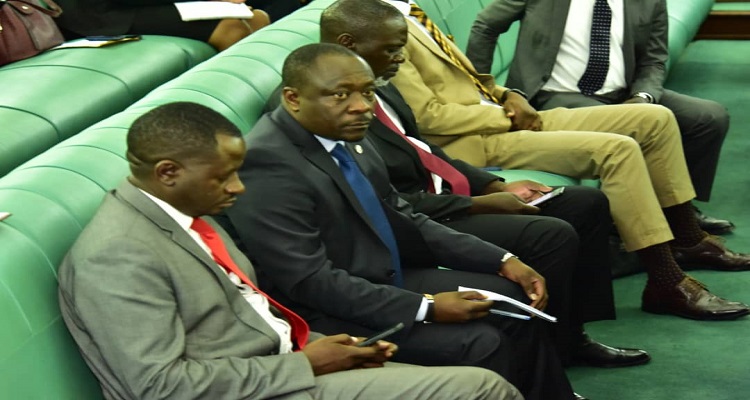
(645, 96)
(507, 257)
(505, 94)
(430, 314)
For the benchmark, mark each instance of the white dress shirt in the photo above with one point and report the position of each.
(574, 49)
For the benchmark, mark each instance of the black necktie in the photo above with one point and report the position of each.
(598, 66)
(371, 203)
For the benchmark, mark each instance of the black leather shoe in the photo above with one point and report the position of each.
(711, 253)
(690, 299)
(577, 396)
(712, 225)
(597, 354)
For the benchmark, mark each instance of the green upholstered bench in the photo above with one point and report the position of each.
(53, 96)
(53, 195)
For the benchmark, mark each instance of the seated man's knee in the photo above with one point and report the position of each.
(486, 346)
(620, 147)
(480, 383)
(590, 201)
(715, 118)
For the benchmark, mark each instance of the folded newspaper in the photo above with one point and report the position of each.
(499, 297)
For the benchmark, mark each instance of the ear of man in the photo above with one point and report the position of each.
(167, 172)
(347, 40)
(290, 95)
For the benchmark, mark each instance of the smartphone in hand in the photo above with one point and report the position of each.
(381, 335)
(547, 196)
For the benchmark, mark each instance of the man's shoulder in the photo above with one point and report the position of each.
(269, 133)
(114, 220)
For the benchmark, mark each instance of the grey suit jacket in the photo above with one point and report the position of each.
(155, 317)
(542, 27)
(304, 228)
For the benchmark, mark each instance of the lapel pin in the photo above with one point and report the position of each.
(358, 149)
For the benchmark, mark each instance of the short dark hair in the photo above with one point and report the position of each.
(296, 69)
(174, 131)
(356, 17)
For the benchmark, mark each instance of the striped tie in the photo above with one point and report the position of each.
(442, 41)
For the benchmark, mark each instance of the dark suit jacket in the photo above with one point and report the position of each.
(304, 228)
(542, 27)
(406, 171)
(101, 17)
(155, 317)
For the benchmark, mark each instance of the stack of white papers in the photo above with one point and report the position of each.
(197, 10)
(500, 297)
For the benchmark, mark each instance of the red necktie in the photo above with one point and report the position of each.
(300, 329)
(432, 163)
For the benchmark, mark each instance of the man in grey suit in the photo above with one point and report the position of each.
(340, 247)
(162, 305)
(551, 57)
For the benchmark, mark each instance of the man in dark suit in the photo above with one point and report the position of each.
(340, 247)
(551, 57)
(484, 205)
(162, 305)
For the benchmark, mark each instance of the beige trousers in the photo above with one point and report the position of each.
(635, 150)
(404, 381)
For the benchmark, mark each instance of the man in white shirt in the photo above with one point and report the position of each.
(552, 55)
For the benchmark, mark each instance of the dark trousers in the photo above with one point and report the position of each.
(703, 125)
(577, 272)
(518, 350)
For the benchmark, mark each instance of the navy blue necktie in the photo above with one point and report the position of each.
(598, 65)
(371, 203)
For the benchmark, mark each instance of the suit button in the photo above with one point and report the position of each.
(391, 273)
(545, 78)
(273, 353)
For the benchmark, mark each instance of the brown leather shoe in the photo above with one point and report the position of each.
(690, 299)
(711, 253)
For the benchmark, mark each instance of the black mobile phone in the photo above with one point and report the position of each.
(382, 335)
(547, 196)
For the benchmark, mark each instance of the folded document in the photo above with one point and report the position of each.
(499, 297)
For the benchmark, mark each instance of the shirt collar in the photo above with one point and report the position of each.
(184, 221)
(328, 144)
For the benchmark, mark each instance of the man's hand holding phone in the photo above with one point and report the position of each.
(547, 196)
(340, 353)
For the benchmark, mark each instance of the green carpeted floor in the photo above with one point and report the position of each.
(692, 360)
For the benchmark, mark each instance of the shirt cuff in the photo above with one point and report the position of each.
(422, 312)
